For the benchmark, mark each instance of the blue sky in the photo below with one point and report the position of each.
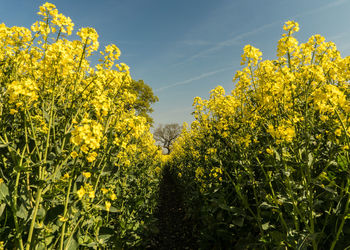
(185, 48)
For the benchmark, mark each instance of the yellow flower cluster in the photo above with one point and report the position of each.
(216, 173)
(88, 190)
(49, 13)
(272, 105)
(199, 172)
(282, 133)
(90, 37)
(251, 56)
(88, 135)
(23, 92)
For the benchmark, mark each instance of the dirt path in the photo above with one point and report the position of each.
(175, 231)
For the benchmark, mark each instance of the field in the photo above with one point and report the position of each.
(264, 167)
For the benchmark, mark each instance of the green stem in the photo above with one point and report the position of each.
(72, 233)
(34, 137)
(49, 129)
(41, 178)
(14, 211)
(31, 229)
(295, 206)
(65, 213)
(99, 176)
(15, 194)
(340, 228)
(244, 200)
(280, 214)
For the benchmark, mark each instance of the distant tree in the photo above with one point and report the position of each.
(166, 135)
(144, 98)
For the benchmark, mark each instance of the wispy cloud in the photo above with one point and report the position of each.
(196, 42)
(344, 49)
(192, 79)
(177, 110)
(238, 38)
(338, 36)
(324, 7)
(228, 42)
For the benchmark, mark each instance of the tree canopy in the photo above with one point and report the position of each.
(166, 135)
(144, 99)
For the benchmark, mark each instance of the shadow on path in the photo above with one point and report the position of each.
(175, 231)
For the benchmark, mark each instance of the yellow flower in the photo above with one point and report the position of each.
(158, 170)
(87, 175)
(269, 151)
(91, 194)
(291, 26)
(104, 190)
(66, 176)
(74, 154)
(251, 55)
(85, 148)
(337, 132)
(91, 156)
(1, 180)
(62, 219)
(13, 111)
(113, 197)
(81, 192)
(107, 205)
(199, 172)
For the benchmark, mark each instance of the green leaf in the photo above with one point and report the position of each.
(105, 233)
(22, 212)
(4, 191)
(265, 226)
(2, 208)
(310, 160)
(277, 236)
(92, 245)
(111, 209)
(278, 157)
(73, 244)
(238, 221)
(40, 246)
(49, 240)
(265, 205)
(41, 213)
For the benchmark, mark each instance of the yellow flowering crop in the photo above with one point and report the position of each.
(268, 143)
(87, 175)
(81, 192)
(62, 122)
(113, 197)
(107, 205)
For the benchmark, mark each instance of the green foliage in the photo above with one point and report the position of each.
(267, 166)
(144, 99)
